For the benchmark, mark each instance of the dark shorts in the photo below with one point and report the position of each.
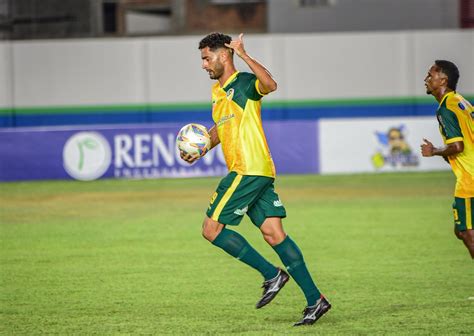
(237, 195)
(463, 214)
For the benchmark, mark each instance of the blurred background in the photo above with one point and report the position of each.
(98, 88)
(47, 19)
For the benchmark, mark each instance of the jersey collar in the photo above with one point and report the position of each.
(230, 79)
(451, 93)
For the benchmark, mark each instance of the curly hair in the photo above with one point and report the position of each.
(214, 41)
(451, 70)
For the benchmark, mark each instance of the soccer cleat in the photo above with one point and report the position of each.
(312, 313)
(272, 287)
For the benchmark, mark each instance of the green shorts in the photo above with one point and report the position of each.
(463, 214)
(237, 195)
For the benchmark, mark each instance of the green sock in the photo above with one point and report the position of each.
(236, 245)
(292, 258)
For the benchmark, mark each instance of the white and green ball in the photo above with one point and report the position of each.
(193, 139)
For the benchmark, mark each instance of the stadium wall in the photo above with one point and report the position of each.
(6, 85)
(117, 81)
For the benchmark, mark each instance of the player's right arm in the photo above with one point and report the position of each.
(266, 83)
(428, 149)
(214, 136)
(453, 134)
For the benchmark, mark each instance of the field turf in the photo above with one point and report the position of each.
(127, 257)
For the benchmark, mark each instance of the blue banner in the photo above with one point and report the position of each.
(89, 153)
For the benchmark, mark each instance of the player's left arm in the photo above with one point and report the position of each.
(266, 83)
(214, 142)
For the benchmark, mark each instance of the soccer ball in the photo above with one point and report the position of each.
(193, 139)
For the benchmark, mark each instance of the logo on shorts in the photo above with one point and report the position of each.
(241, 212)
(277, 203)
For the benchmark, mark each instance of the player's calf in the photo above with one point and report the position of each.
(467, 238)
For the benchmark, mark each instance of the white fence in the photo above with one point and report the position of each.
(168, 69)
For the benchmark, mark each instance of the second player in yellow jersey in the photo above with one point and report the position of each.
(456, 125)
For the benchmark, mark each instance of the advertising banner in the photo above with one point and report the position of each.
(89, 153)
(378, 144)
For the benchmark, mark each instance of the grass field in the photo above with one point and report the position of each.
(127, 257)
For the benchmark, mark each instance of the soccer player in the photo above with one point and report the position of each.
(456, 125)
(248, 188)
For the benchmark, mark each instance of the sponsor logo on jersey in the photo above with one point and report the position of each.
(440, 120)
(225, 119)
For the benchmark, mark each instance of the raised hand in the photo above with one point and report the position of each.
(237, 45)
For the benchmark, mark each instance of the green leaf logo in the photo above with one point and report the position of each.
(88, 143)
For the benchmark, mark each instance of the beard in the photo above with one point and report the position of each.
(217, 72)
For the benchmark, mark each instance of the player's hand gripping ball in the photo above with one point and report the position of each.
(194, 140)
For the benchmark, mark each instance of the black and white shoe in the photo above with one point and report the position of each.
(272, 287)
(312, 313)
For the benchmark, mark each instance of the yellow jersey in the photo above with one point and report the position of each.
(455, 118)
(236, 111)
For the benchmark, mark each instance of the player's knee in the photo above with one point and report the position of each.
(272, 231)
(206, 233)
(459, 235)
(210, 229)
(271, 239)
(274, 237)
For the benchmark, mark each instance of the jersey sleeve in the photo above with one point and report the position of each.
(450, 125)
(252, 90)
